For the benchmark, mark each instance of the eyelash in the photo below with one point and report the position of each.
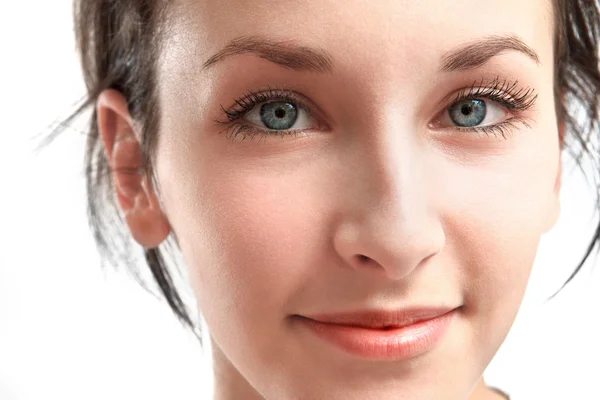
(516, 100)
(250, 100)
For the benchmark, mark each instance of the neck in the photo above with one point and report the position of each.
(229, 384)
(482, 392)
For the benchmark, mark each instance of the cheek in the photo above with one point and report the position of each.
(495, 216)
(255, 234)
(249, 236)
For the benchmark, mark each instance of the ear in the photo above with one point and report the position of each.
(135, 194)
(561, 143)
(555, 211)
(561, 136)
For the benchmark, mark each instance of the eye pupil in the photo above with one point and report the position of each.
(278, 115)
(468, 113)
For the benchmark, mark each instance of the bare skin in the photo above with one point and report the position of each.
(233, 386)
(389, 195)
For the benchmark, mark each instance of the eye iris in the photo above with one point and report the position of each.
(468, 113)
(278, 115)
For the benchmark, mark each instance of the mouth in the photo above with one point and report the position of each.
(382, 319)
(382, 334)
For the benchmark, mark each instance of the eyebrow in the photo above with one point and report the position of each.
(303, 58)
(285, 53)
(477, 53)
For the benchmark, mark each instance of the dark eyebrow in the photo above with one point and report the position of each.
(284, 53)
(303, 58)
(477, 53)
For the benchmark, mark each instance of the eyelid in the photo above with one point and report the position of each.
(508, 95)
(273, 94)
(497, 86)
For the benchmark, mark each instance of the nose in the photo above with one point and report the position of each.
(389, 223)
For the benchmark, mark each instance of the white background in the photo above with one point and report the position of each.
(68, 330)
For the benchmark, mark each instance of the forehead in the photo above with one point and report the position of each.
(390, 25)
(378, 40)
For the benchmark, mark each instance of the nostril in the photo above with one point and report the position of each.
(362, 258)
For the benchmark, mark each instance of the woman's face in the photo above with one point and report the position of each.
(389, 194)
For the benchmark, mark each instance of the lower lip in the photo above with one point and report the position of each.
(379, 344)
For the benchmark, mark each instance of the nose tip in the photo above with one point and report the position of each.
(390, 220)
(393, 272)
(393, 247)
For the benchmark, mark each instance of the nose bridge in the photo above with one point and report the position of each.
(390, 223)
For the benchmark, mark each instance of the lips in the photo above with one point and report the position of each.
(381, 335)
(382, 319)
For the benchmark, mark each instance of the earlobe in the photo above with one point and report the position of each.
(134, 191)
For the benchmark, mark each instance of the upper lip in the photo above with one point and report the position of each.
(382, 318)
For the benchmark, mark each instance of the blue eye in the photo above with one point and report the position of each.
(492, 109)
(272, 112)
(468, 113)
(473, 114)
(278, 115)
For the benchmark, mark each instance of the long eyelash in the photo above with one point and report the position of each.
(248, 101)
(504, 93)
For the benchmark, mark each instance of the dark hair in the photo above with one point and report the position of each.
(119, 41)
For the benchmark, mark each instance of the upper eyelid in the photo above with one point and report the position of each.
(311, 108)
(491, 86)
(276, 93)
